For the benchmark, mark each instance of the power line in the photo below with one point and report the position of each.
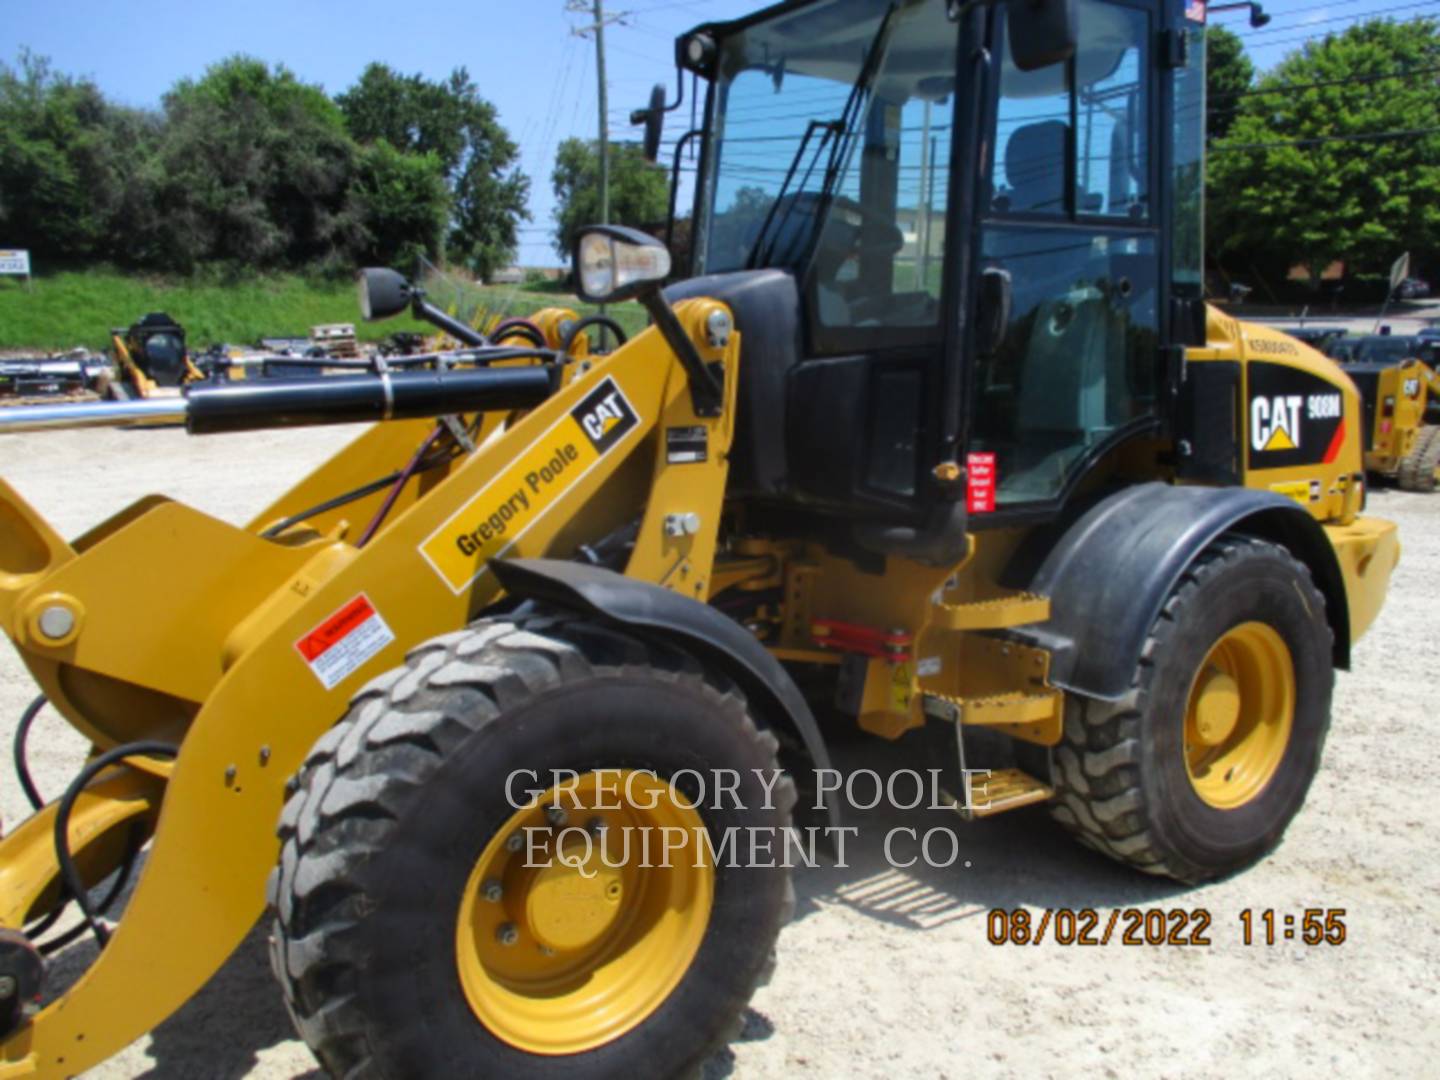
(1353, 80)
(1364, 136)
(1376, 14)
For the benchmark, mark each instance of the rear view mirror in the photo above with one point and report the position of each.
(654, 123)
(384, 293)
(1042, 32)
(992, 311)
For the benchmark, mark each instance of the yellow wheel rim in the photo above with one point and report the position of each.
(584, 912)
(1239, 715)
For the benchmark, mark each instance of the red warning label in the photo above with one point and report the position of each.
(344, 641)
(980, 483)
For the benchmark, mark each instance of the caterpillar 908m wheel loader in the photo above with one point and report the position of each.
(939, 421)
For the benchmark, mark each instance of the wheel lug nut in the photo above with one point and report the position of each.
(493, 891)
(545, 950)
(556, 816)
(515, 842)
(507, 934)
(595, 825)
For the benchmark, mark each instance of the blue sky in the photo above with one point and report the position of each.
(521, 53)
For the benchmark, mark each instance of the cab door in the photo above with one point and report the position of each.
(1070, 208)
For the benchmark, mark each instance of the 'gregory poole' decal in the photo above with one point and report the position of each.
(529, 486)
(1293, 418)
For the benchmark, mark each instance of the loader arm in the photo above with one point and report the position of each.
(591, 456)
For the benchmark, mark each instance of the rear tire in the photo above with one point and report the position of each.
(394, 812)
(1131, 777)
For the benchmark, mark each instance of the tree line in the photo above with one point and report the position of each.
(1332, 156)
(249, 167)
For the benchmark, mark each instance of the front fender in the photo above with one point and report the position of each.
(698, 628)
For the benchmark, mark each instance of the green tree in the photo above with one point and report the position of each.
(1229, 73)
(477, 158)
(68, 161)
(639, 189)
(255, 170)
(1336, 163)
(402, 203)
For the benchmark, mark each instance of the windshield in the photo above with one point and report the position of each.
(830, 155)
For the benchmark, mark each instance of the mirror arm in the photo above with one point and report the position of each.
(675, 186)
(706, 394)
(428, 312)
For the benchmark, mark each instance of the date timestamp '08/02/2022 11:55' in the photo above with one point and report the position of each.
(1158, 926)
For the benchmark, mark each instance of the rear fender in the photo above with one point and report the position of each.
(1108, 574)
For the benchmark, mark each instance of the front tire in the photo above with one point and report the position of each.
(1198, 770)
(413, 937)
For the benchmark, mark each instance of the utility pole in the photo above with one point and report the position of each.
(596, 9)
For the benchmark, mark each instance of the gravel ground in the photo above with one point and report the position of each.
(888, 972)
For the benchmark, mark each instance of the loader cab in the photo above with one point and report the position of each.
(995, 260)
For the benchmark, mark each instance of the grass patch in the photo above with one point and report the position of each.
(79, 308)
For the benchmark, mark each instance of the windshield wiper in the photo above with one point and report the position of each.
(844, 128)
(761, 252)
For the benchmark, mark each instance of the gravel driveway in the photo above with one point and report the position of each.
(888, 973)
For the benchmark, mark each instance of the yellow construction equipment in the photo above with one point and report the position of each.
(1399, 445)
(498, 711)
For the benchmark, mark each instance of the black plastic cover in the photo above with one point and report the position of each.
(766, 305)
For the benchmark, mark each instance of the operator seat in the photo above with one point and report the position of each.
(1035, 167)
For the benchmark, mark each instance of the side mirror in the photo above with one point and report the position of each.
(653, 118)
(614, 263)
(992, 310)
(384, 293)
(1042, 32)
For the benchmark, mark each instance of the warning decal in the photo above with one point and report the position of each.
(980, 482)
(529, 486)
(343, 642)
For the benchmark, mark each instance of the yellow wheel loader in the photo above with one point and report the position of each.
(496, 717)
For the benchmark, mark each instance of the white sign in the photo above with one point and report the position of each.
(15, 261)
(1398, 273)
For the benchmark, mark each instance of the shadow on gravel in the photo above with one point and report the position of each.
(1013, 859)
(226, 1025)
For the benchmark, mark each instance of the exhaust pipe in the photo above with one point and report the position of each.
(338, 399)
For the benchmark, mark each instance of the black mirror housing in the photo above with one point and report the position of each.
(384, 293)
(654, 123)
(1042, 32)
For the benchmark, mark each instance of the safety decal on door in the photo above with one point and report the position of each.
(343, 642)
(980, 483)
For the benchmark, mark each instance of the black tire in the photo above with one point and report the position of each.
(394, 805)
(1120, 773)
(1417, 469)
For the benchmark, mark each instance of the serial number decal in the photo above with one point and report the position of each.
(529, 486)
(1086, 927)
(1273, 347)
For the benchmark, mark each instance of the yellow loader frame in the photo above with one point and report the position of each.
(184, 628)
